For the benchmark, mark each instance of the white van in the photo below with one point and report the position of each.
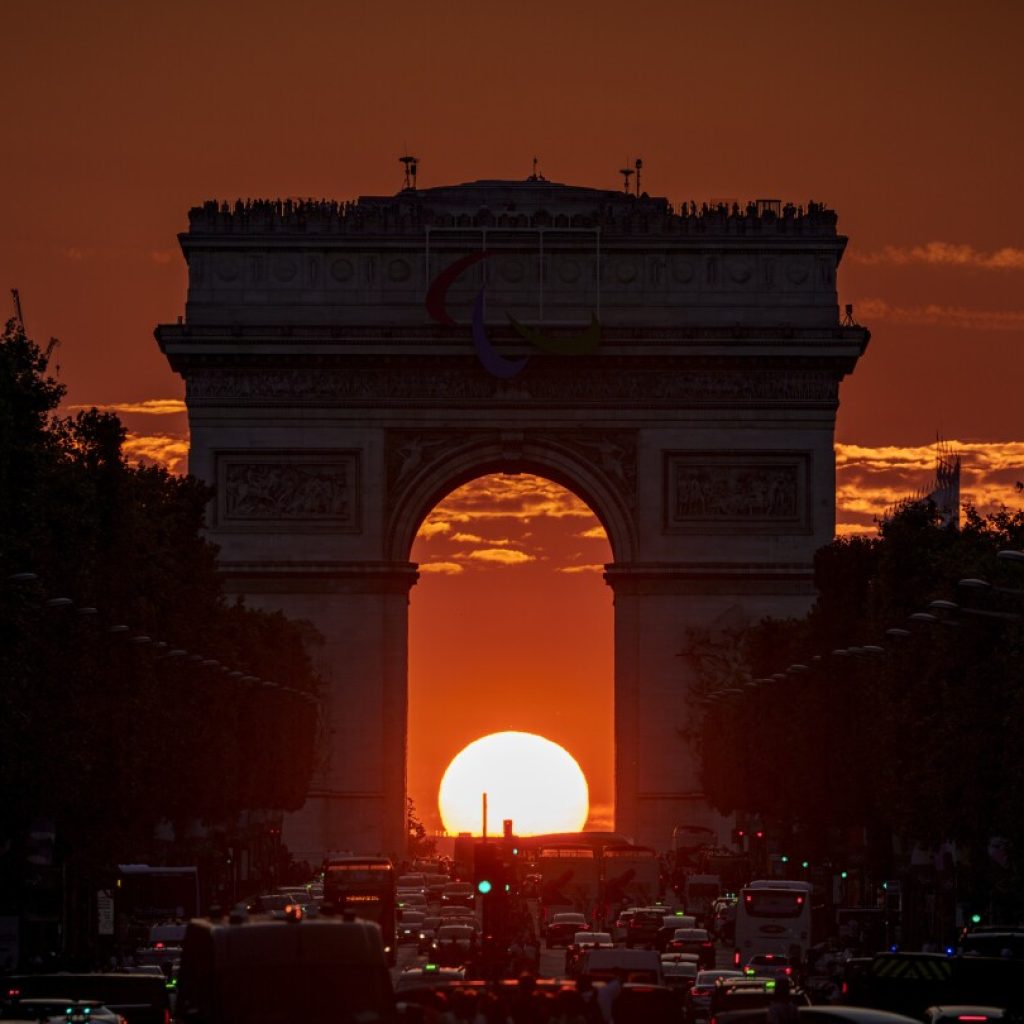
(643, 965)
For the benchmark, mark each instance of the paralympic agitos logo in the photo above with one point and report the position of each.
(493, 361)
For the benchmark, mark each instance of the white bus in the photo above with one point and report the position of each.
(773, 916)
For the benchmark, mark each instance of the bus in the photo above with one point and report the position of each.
(365, 887)
(773, 917)
(631, 876)
(150, 894)
(570, 879)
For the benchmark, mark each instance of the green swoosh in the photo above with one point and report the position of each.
(577, 345)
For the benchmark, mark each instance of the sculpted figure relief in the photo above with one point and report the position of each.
(705, 491)
(272, 490)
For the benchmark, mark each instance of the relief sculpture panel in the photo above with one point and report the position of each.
(274, 490)
(759, 492)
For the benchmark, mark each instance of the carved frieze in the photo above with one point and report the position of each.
(280, 490)
(443, 385)
(750, 491)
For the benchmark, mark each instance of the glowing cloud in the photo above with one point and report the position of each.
(501, 556)
(163, 450)
(943, 254)
(941, 316)
(149, 407)
(441, 568)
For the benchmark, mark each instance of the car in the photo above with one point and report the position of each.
(685, 958)
(961, 1014)
(409, 926)
(582, 941)
(414, 882)
(698, 999)
(768, 965)
(694, 940)
(748, 993)
(643, 927)
(428, 931)
(428, 976)
(54, 1011)
(435, 886)
(1007, 943)
(670, 924)
(455, 944)
(412, 901)
(561, 927)
(455, 913)
(679, 976)
(457, 894)
(139, 998)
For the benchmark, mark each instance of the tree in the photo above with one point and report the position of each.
(915, 735)
(199, 710)
(420, 845)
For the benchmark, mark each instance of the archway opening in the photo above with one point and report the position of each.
(510, 630)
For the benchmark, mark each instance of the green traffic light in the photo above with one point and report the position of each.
(975, 918)
(785, 859)
(483, 886)
(843, 874)
(805, 864)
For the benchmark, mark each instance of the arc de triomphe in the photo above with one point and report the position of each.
(347, 365)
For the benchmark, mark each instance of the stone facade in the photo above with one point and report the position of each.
(332, 406)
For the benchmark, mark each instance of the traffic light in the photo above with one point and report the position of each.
(738, 835)
(488, 870)
(492, 880)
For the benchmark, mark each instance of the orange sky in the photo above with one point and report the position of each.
(904, 117)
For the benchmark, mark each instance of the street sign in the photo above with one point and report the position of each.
(104, 912)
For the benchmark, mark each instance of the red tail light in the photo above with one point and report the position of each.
(845, 988)
(167, 1016)
(789, 970)
(736, 957)
(708, 945)
(14, 993)
(158, 945)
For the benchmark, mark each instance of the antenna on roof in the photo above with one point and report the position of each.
(411, 163)
(639, 163)
(627, 173)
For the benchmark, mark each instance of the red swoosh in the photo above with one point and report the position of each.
(438, 291)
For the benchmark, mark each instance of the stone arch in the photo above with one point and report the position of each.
(605, 489)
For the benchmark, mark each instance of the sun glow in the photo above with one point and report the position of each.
(527, 778)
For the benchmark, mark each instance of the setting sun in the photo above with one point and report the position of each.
(527, 778)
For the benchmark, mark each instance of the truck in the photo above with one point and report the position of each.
(699, 895)
(267, 969)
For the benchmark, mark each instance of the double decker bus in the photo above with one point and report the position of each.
(631, 877)
(570, 879)
(364, 887)
(773, 916)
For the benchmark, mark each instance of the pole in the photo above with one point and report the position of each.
(483, 832)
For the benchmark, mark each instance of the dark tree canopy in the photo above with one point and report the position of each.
(919, 739)
(102, 730)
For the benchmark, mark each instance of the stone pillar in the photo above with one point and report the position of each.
(657, 771)
(357, 796)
